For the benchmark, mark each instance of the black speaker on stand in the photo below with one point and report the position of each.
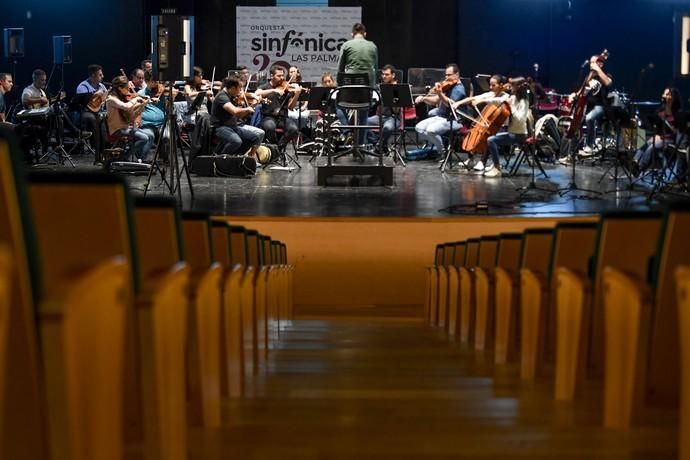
(172, 44)
(13, 39)
(62, 49)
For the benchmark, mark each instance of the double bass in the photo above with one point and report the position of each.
(580, 100)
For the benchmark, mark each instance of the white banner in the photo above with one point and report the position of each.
(309, 38)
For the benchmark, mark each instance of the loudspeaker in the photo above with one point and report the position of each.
(62, 49)
(14, 43)
(163, 48)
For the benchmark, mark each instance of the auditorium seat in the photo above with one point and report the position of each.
(484, 294)
(232, 313)
(506, 311)
(682, 277)
(87, 282)
(249, 321)
(580, 308)
(467, 290)
(204, 319)
(161, 315)
(453, 287)
(641, 319)
(5, 281)
(571, 247)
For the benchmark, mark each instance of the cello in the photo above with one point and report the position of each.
(491, 119)
(580, 100)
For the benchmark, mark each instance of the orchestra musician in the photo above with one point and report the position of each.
(390, 121)
(517, 126)
(668, 134)
(282, 96)
(34, 95)
(243, 74)
(136, 80)
(196, 85)
(596, 98)
(228, 117)
(146, 65)
(328, 81)
(124, 117)
(153, 116)
(6, 84)
(441, 96)
(92, 92)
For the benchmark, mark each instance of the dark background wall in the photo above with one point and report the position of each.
(483, 36)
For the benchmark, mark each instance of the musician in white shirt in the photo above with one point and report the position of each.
(34, 95)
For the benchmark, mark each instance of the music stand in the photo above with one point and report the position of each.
(396, 96)
(196, 103)
(318, 98)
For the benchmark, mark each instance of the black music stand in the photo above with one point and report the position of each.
(319, 98)
(396, 96)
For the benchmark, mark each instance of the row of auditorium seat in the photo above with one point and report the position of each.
(123, 321)
(606, 301)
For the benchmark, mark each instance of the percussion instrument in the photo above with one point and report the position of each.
(40, 114)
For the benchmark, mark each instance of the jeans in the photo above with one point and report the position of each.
(431, 129)
(233, 137)
(390, 124)
(269, 125)
(143, 140)
(499, 140)
(591, 119)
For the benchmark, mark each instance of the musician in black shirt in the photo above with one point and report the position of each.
(282, 96)
(228, 117)
(6, 84)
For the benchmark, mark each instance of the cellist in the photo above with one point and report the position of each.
(517, 126)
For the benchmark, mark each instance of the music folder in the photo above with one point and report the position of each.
(396, 95)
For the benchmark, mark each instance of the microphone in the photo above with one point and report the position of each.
(649, 66)
(585, 64)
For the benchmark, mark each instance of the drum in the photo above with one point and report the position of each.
(565, 105)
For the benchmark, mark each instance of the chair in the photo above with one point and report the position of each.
(84, 315)
(20, 435)
(572, 246)
(354, 93)
(484, 293)
(682, 276)
(506, 311)
(640, 326)
(580, 307)
(234, 337)
(161, 314)
(204, 338)
(467, 293)
(248, 303)
(454, 287)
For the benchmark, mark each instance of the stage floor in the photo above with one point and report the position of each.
(420, 190)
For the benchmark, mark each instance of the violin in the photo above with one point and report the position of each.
(580, 100)
(448, 84)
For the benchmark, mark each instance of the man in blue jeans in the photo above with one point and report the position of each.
(389, 115)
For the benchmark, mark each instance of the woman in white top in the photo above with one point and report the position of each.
(517, 126)
(124, 116)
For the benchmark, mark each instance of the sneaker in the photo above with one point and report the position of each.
(565, 160)
(586, 151)
(493, 172)
(479, 166)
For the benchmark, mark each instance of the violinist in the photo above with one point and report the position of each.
(517, 127)
(153, 116)
(390, 121)
(228, 117)
(597, 92)
(124, 110)
(244, 75)
(666, 134)
(137, 81)
(300, 110)
(146, 65)
(87, 90)
(441, 96)
(281, 96)
(195, 85)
